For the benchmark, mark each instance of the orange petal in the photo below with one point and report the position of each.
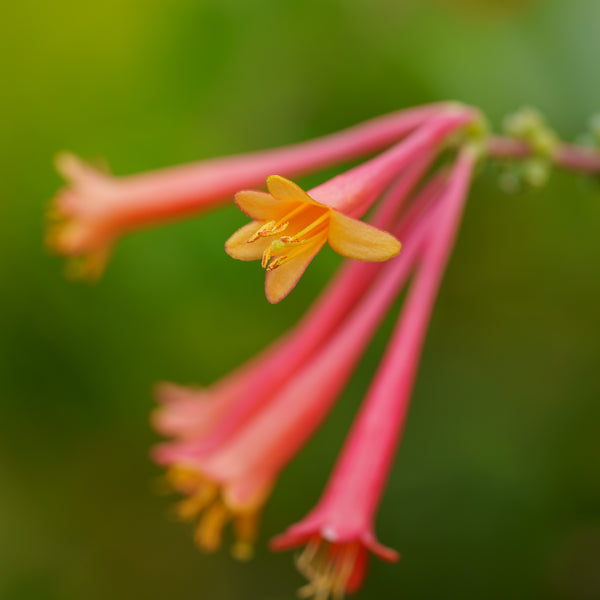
(261, 206)
(238, 247)
(356, 239)
(281, 281)
(284, 189)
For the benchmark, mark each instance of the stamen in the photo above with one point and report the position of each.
(280, 260)
(296, 249)
(246, 531)
(295, 211)
(184, 479)
(301, 234)
(328, 568)
(269, 228)
(210, 529)
(274, 227)
(191, 507)
(344, 567)
(266, 257)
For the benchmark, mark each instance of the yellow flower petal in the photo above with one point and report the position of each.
(237, 245)
(261, 206)
(356, 239)
(281, 281)
(284, 189)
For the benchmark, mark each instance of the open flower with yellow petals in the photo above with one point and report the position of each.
(289, 228)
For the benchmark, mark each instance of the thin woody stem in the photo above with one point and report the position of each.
(567, 156)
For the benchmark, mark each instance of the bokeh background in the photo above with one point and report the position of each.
(496, 490)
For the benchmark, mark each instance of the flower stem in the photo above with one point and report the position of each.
(567, 156)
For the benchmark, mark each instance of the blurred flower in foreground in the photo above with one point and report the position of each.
(89, 215)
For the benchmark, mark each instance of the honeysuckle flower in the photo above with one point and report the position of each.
(306, 226)
(290, 226)
(338, 532)
(233, 480)
(96, 208)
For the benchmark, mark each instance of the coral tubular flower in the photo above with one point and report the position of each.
(234, 480)
(290, 226)
(95, 208)
(338, 532)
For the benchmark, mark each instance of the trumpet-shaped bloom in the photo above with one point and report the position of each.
(95, 208)
(290, 226)
(339, 533)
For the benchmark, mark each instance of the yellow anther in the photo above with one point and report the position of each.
(269, 228)
(266, 257)
(210, 529)
(277, 262)
(185, 480)
(191, 507)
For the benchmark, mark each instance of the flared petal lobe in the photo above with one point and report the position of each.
(356, 239)
(290, 228)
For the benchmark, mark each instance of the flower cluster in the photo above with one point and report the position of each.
(229, 442)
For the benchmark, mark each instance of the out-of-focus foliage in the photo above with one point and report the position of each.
(496, 491)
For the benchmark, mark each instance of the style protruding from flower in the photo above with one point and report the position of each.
(289, 228)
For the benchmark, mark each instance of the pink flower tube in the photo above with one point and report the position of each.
(96, 208)
(339, 530)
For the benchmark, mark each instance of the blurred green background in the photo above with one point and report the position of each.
(496, 490)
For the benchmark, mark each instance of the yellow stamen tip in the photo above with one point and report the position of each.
(275, 264)
(242, 551)
(210, 529)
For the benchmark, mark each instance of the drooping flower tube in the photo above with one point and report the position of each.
(96, 208)
(290, 226)
(233, 480)
(338, 532)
